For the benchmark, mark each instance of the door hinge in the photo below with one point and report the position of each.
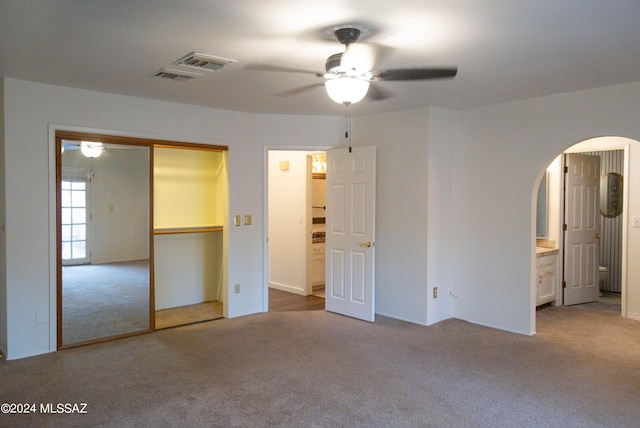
(566, 169)
(564, 284)
(564, 227)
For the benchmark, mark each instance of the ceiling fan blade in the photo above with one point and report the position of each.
(298, 91)
(413, 74)
(376, 93)
(266, 67)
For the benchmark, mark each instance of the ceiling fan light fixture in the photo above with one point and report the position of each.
(91, 149)
(346, 89)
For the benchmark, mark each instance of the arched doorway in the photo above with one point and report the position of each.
(551, 180)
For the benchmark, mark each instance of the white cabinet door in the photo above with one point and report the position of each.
(547, 275)
(317, 264)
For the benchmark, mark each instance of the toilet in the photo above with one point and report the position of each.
(603, 274)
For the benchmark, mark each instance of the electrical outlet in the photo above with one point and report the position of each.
(236, 220)
(236, 288)
(435, 292)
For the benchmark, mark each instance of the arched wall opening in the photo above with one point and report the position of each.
(552, 173)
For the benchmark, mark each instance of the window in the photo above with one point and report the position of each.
(75, 218)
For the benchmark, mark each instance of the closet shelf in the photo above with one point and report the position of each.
(176, 230)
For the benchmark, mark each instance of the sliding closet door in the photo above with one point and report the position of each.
(104, 238)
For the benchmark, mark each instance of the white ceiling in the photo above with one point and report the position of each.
(504, 49)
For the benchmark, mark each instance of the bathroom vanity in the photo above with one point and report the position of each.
(546, 274)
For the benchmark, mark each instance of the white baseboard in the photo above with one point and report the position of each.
(287, 288)
(412, 321)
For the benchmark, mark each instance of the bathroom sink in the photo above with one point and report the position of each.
(545, 251)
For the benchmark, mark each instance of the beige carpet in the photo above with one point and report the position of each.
(189, 314)
(104, 300)
(317, 369)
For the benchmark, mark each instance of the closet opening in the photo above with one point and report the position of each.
(190, 194)
(140, 232)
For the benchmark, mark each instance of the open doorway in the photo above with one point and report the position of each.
(612, 219)
(295, 213)
(190, 200)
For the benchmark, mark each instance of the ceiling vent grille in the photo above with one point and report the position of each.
(176, 76)
(203, 62)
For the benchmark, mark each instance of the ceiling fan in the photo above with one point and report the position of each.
(349, 74)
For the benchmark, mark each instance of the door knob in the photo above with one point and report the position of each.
(598, 236)
(366, 244)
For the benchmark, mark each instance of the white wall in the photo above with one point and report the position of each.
(288, 223)
(440, 258)
(496, 155)
(188, 268)
(413, 212)
(401, 210)
(3, 248)
(31, 109)
(499, 152)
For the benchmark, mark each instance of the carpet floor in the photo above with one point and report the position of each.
(104, 300)
(318, 369)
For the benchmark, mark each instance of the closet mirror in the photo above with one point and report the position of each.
(104, 238)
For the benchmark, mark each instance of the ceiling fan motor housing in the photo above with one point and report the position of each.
(347, 35)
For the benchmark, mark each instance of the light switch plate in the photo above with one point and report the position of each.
(236, 220)
(247, 220)
(636, 221)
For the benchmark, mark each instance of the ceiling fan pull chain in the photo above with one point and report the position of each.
(347, 132)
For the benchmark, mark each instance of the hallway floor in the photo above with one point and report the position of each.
(281, 301)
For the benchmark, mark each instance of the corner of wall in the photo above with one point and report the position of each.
(439, 207)
(3, 252)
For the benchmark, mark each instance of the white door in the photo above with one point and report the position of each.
(582, 220)
(350, 232)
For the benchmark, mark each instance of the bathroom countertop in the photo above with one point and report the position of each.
(543, 251)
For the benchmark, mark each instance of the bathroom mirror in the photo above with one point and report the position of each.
(611, 194)
(541, 211)
(104, 239)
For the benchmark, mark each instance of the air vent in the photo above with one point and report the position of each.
(176, 76)
(203, 62)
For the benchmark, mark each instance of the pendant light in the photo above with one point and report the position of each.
(91, 149)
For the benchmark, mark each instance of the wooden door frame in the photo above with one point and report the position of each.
(58, 134)
(108, 139)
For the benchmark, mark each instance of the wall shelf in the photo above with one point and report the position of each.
(177, 230)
